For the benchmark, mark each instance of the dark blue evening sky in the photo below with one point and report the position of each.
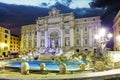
(15, 13)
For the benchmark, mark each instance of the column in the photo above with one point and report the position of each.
(59, 42)
(38, 39)
(62, 38)
(33, 42)
(81, 32)
(46, 38)
(27, 40)
(90, 37)
(72, 38)
(48, 41)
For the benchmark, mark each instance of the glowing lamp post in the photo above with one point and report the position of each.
(2, 45)
(102, 38)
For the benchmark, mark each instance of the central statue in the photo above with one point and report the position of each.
(53, 43)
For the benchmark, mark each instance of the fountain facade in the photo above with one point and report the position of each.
(60, 32)
(53, 36)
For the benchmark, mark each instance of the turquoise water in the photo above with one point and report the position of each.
(50, 65)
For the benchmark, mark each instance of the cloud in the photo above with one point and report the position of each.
(87, 12)
(111, 8)
(14, 16)
(79, 12)
(44, 4)
(66, 2)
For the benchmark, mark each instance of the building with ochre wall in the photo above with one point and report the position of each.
(14, 44)
(4, 41)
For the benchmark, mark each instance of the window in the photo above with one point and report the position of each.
(86, 49)
(67, 41)
(66, 21)
(42, 43)
(5, 41)
(35, 44)
(86, 41)
(85, 28)
(77, 50)
(6, 31)
(6, 36)
(95, 50)
(30, 33)
(78, 42)
(77, 29)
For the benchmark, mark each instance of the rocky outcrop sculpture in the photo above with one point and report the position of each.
(82, 67)
(2, 67)
(63, 68)
(24, 68)
(42, 66)
(116, 64)
(99, 66)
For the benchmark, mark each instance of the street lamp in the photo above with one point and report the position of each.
(101, 32)
(102, 38)
(2, 45)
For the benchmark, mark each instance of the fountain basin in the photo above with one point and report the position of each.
(50, 65)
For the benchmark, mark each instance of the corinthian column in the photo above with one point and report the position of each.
(72, 36)
(38, 39)
(46, 38)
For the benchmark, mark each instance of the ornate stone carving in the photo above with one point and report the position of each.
(67, 31)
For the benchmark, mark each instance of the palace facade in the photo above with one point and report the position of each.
(28, 38)
(14, 44)
(116, 30)
(60, 31)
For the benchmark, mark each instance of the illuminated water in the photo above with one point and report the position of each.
(50, 65)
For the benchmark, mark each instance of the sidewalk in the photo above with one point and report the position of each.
(53, 76)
